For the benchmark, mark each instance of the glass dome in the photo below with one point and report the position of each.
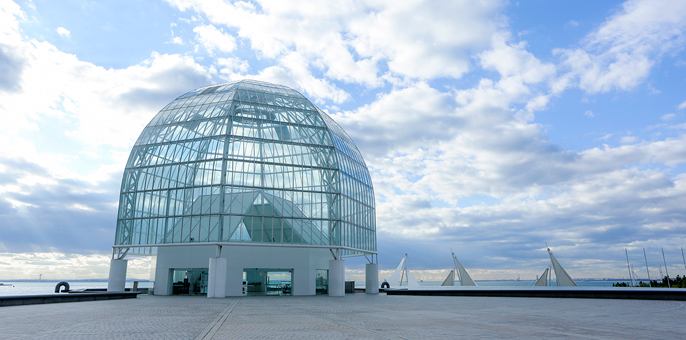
(245, 162)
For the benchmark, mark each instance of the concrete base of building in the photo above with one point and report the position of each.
(117, 279)
(301, 263)
(216, 284)
(336, 278)
(371, 271)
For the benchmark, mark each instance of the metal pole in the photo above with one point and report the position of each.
(457, 272)
(403, 273)
(666, 271)
(631, 278)
(648, 270)
(682, 256)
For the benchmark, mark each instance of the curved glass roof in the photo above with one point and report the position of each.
(246, 162)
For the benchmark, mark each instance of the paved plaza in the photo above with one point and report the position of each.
(355, 316)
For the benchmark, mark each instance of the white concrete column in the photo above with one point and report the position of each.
(371, 278)
(234, 279)
(336, 278)
(216, 280)
(211, 272)
(117, 280)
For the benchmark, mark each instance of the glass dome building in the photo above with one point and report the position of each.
(253, 177)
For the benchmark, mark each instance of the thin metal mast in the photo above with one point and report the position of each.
(682, 256)
(550, 273)
(631, 278)
(457, 272)
(666, 271)
(403, 270)
(648, 270)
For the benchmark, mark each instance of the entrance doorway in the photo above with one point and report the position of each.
(188, 281)
(267, 281)
(322, 282)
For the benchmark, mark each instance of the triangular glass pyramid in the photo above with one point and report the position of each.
(241, 233)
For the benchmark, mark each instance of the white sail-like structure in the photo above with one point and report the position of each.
(450, 280)
(543, 280)
(465, 279)
(411, 281)
(401, 274)
(562, 277)
(398, 275)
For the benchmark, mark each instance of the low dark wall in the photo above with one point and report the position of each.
(618, 293)
(20, 300)
(95, 290)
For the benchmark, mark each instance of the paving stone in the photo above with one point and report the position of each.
(355, 316)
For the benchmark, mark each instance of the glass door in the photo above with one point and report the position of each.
(322, 281)
(267, 281)
(188, 281)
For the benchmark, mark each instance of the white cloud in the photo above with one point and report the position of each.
(622, 51)
(605, 137)
(513, 60)
(667, 117)
(9, 12)
(350, 41)
(628, 139)
(233, 67)
(12, 57)
(63, 31)
(108, 107)
(54, 266)
(589, 114)
(292, 71)
(177, 41)
(420, 140)
(212, 38)
(586, 200)
(94, 115)
(402, 120)
(523, 77)
(430, 153)
(426, 39)
(682, 106)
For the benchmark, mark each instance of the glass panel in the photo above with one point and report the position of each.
(267, 281)
(322, 282)
(290, 173)
(204, 231)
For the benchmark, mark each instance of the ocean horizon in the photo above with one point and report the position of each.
(48, 287)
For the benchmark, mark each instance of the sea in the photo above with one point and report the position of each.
(11, 288)
(520, 283)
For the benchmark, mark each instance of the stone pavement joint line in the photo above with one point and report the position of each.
(211, 329)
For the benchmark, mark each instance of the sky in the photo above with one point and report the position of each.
(489, 127)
